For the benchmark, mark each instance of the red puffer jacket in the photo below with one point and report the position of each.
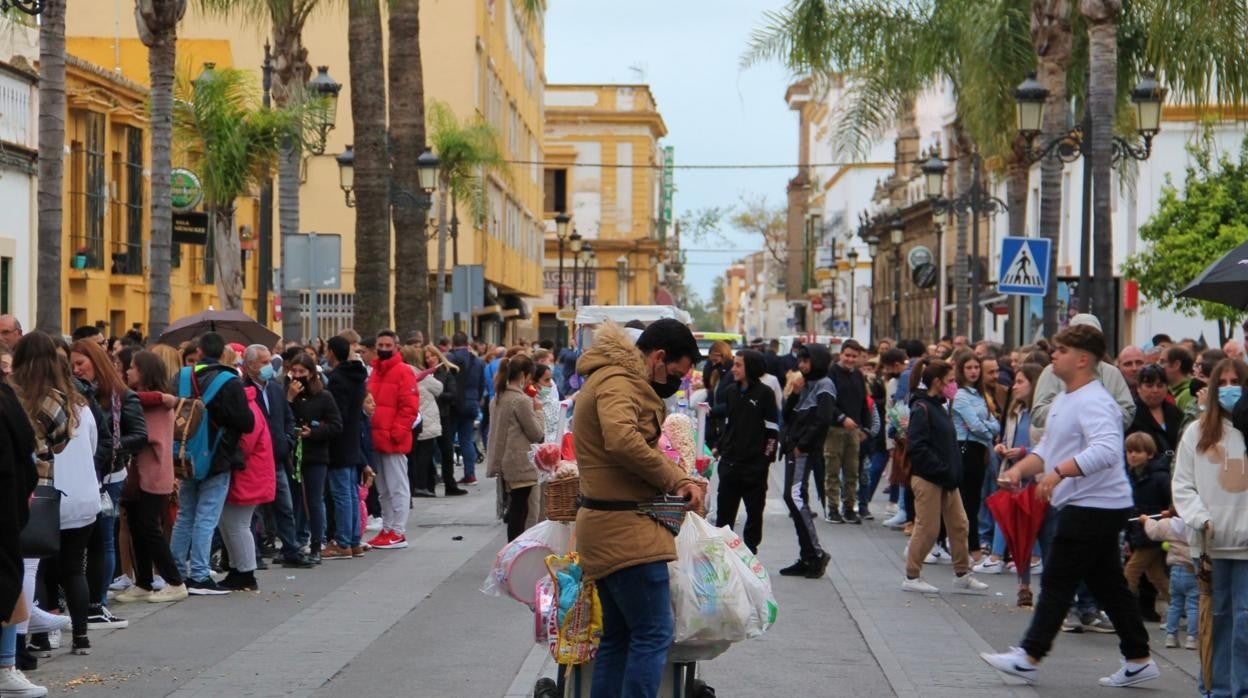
(256, 483)
(393, 387)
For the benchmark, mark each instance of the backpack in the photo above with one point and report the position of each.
(193, 449)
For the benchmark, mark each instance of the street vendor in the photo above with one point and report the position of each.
(616, 428)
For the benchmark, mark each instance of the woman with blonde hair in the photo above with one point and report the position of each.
(171, 357)
(448, 409)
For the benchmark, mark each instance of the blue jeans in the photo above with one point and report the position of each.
(284, 514)
(987, 527)
(465, 429)
(1230, 628)
(637, 629)
(104, 550)
(870, 482)
(309, 500)
(1183, 599)
(199, 508)
(346, 506)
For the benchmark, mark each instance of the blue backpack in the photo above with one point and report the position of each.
(193, 449)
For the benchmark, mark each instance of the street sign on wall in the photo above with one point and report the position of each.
(190, 228)
(1024, 266)
(185, 190)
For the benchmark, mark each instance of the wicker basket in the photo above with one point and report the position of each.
(561, 498)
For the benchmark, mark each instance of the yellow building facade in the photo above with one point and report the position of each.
(603, 169)
(106, 234)
(480, 58)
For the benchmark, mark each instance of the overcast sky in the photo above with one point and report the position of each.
(716, 113)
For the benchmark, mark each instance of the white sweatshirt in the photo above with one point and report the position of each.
(1087, 425)
(74, 475)
(1213, 487)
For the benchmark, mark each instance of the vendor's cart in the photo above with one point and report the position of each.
(679, 678)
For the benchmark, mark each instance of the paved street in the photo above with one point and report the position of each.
(413, 623)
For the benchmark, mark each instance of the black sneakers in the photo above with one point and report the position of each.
(834, 517)
(797, 569)
(205, 587)
(851, 517)
(864, 513)
(817, 568)
(240, 581)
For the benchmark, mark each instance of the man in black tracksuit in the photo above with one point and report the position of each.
(850, 420)
(806, 417)
(746, 446)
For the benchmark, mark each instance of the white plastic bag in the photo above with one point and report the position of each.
(720, 592)
(522, 562)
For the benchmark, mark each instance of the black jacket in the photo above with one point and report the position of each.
(133, 427)
(103, 429)
(17, 481)
(229, 413)
(1167, 435)
(775, 365)
(717, 399)
(805, 429)
(851, 396)
(1150, 488)
(471, 380)
(933, 442)
(322, 409)
(348, 383)
(448, 400)
(272, 401)
(750, 426)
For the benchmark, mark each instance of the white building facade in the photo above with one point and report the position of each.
(19, 102)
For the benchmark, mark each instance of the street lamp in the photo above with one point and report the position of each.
(975, 201)
(326, 89)
(574, 243)
(588, 259)
(30, 7)
(897, 234)
(206, 76)
(852, 256)
(1030, 96)
(427, 165)
(561, 234)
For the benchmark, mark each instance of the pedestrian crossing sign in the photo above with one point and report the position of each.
(1024, 266)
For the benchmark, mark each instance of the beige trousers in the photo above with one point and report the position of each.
(932, 503)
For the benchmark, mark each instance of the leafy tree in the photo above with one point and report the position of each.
(234, 142)
(1194, 226)
(770, 223)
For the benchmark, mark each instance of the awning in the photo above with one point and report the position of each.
(514, 307)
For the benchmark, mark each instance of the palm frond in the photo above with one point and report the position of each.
(465, 150)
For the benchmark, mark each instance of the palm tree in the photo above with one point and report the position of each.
(235, 144)
(466, 151)
(372, 219)
(407, 140)
(51, 164)
(889, 52)
(291, 71)
(1102, 20)
(157, 22)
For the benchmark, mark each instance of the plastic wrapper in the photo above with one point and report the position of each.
(720, 590)
(679, 432)
(521, 563)
(546, 456)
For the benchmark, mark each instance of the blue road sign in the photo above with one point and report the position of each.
(1024, 266)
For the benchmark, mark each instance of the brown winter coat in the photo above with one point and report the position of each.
(514, 427)
(616, 427)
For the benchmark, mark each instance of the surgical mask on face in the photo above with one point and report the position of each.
(544, 392)
(267, 373)
(1228, 395)
(950, 391)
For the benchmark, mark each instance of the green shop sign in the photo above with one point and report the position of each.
(185, 189)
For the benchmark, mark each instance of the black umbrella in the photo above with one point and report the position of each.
(233, 325)
(1225, 281)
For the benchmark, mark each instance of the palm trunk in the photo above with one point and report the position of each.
(407, 132)
(1017, 181)
(227, 256)
(436, 313)
(962, 292)
(291, 71)
(1102, 16)
(1052, 37)
(161, 63)
(48, 313)
(372, 224)
(288, 228)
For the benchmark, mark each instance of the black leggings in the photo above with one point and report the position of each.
(446, 453)
(517, 511)
(420, 469)
(68, 571)
(974, 469)
(147, 537)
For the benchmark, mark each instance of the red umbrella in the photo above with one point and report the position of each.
(1020, 515)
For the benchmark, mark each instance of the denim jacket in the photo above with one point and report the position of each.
(972, 420)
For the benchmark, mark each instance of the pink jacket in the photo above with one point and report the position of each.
(256, 483)
(153, 465)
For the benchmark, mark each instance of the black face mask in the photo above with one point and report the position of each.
(668, 389)
(384, 354)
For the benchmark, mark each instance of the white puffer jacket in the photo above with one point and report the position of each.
(431, 418)
(74, 475)
(1213, 487)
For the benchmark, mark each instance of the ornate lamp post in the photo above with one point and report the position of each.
(588, 260)
(561, 234)
(852, 256)
(426, 173)
(897, 234)
(326, 89)
(574, 243)
(30, 7)
(975, 201)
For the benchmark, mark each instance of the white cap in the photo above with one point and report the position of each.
(1085, 319)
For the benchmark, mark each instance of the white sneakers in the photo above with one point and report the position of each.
(939, 556)
(14, 684)
(968, 582)
(1132, 674)
(989, 566)
(1015, 663)
(919, 586)
(133, 593)
(168, 593)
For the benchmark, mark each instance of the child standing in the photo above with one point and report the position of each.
(1150, 488)
(1183, 593)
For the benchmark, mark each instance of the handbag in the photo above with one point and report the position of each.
(41, 536)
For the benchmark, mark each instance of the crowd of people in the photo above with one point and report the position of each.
(322, 444)
(313, 448)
